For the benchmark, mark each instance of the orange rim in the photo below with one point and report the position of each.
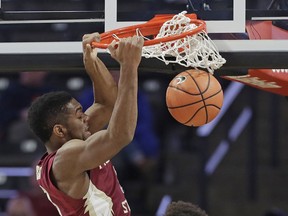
(150, 28)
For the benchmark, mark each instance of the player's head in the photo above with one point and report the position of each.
(46, 111)
(181, 208)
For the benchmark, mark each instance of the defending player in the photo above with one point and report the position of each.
(76, 172)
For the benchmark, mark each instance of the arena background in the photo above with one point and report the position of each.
(235, 166)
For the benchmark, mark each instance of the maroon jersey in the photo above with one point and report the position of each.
(104, 196)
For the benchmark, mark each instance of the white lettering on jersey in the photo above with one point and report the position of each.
(125, 206)
(38, 172)
(101, 166)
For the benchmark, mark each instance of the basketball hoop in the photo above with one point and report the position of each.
(180, 36)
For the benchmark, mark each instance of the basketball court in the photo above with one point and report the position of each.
(252, 37)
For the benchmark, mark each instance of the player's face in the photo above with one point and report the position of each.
(77, 122)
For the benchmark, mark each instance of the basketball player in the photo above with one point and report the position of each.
(182, 208)
(76, 173)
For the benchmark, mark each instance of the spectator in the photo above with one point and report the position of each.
(15, 101)
(19, 206)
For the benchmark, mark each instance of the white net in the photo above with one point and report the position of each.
(196, 50)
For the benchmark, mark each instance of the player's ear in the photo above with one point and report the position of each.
(59, 130)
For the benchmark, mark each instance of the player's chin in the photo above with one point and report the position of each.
(86, 134)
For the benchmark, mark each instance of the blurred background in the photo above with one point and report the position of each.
(236, 166)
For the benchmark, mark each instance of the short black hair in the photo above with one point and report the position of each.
(181, 208)
(46, 111)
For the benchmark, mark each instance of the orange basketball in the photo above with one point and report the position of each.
(194, 97)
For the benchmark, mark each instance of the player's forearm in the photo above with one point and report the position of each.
(105, 93)
(105, 144)
(124, 117)
(104, 86)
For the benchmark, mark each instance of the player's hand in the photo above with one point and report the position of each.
(87, 39)
(89, 53)
(127, 51)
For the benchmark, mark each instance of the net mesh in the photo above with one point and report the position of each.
(196, 50)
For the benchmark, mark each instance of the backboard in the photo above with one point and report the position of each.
(51, 31)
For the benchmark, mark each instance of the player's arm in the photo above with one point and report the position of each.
(77, 156)
(104, 86)
(104, 145)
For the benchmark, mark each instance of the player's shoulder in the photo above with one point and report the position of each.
(65, 161)
(69, 150)
(71, 145)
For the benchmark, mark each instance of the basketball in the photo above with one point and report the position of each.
(194, 97)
